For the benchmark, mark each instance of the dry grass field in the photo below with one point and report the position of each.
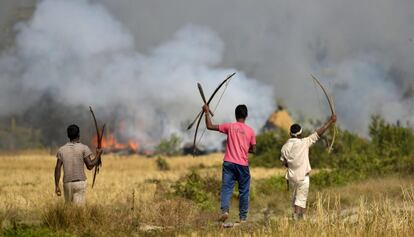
(27, 179)
(132, 197)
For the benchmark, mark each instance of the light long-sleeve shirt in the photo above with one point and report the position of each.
(295, 152)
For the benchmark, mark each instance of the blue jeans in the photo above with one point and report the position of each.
(232, 173)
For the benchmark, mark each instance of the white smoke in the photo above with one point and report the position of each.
(281, 42)
(362, 52)
(83, 55)
(361, 90)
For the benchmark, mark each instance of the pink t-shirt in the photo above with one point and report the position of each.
(239, 139)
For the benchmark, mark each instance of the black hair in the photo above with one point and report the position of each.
(241, 112)
(295, 128)
(73, 132)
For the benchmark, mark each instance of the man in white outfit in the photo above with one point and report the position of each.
(295, 156)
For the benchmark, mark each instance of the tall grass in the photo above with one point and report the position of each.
(327, 217)
(169, 215)
(132, 197)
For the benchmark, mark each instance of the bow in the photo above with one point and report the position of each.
(331, 106)
(200, 115)
(99, 136)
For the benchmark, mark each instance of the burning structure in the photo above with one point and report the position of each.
(279, 119)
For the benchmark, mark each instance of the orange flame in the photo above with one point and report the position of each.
(133, 145)
(110, 143)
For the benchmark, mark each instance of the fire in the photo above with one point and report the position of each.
(133, 145)
(110, 143)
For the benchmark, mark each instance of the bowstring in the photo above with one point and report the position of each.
(318, 96)
(319, 99)
(214, 111)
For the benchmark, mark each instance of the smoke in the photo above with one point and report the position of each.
(141, 59)
(80, 54)
(361, 50)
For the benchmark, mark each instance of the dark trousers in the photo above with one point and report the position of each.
(232, 173)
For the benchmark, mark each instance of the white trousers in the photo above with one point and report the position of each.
(300, 190)
(75, 192)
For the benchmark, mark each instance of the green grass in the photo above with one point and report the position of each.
(33, 231)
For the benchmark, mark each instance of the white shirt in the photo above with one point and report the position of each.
(295, 152)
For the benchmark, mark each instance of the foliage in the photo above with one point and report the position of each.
(390, 149)
(202, 190)
(391, 142)
(268, 149)
(320, 180)
(33, 232)
(326, 178)
(170, 146)
(15, 137)
(271, 185)
(162, 164)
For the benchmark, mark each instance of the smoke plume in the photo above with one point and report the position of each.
(79, 54)
(140, 60)
(362, 50)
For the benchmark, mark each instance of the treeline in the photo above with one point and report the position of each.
(389, 149)
(43, 125)
(13, 137)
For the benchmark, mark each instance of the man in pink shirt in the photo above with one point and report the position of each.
(241, 140)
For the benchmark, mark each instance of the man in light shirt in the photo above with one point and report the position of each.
(295, 156)
(73, 156)
(241, 140)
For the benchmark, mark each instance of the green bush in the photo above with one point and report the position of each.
(326, 178)
(16, 137)
(33, 232)
(405, 165)
(170, 146)
(268, 149)
(162, 164)
(391, 140)
(390, 149)
(201, 190)
(271, 185)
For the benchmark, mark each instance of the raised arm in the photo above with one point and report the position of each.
(209, 124)
(92, 163)
(58, 169)
(327, 124)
